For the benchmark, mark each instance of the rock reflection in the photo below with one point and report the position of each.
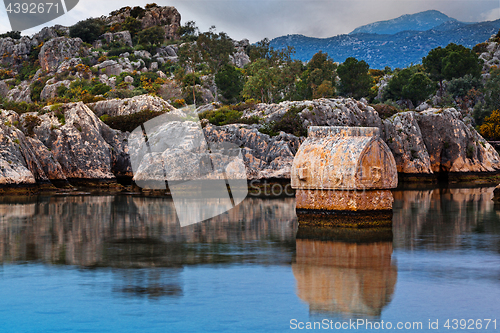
(351, 273)
(436, 218)
(136, 232)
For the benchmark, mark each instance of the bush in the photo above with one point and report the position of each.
(30, 122)
(11, 34)
(117, 51)
(137, 12)
(88, 30)
(36, 89)
(289, 123)
(385, 110)
(132, 25)
(480, 48)
(459, 87)
(225, 116)
(19, 107)
(151, 36)
(490, 129)
(130, 122)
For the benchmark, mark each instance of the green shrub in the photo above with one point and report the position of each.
(19, 107)
(151, 36)
(30, 122)
(117, 51)
(385, 110)
(130, 122)
(11, 34)
(88, 30)
(226, 116)
(289, 123)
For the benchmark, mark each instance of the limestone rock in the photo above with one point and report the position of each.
(4, 89)
(121, 107)
(49, 32)
(82, 144)
(122, 37)
(403, 136)
(264, 156)
(50, 90)
(21, 93)
(239, 59)
(56, 50)
(18, 163)
(168, 17)
(14, 51)
(453, 146)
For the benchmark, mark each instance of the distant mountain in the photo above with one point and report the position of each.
(422, 21)
(396, 50)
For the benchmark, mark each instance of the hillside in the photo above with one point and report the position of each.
(418, 22)
(396, 50)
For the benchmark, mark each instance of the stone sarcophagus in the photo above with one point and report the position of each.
(344, 170)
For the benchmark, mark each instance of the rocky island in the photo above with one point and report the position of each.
(68, 104)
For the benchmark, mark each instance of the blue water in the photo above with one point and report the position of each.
(91, 263)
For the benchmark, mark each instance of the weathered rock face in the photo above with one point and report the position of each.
(403, 136)
(14, 51)
(80, 147)
(168, 17)
(123, 37)
(18, 163)
(422, 142)
(56, 50)
(21, 93)
(4, 89)
(50, 90)
(492, 55)
(239, 59)
(121, 107)
(264, 156)
(49, 33)
(453, 146)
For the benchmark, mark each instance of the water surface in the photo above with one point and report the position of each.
(122, 263)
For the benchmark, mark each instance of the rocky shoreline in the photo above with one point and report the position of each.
(69, 144)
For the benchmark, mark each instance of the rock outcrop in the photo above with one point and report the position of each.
(265, 157)
(427, 142)
(56, 50)
(14, 51)
(122, 107)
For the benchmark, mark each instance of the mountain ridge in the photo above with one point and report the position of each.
(394, 50)
(420, 21)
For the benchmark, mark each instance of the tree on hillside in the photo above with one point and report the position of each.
(151, 36)
(188, 32)
(215, 48)
(11, 34)
(88, 30)
(230, 81)
(450, 62)
(419, 88)
(320, 72)
(354, 78)
(492, 91)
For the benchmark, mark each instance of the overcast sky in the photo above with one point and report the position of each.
(257, 19)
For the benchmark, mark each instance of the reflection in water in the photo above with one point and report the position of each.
(343, 277)
(435, 219)
(126, 231)
(141, 238)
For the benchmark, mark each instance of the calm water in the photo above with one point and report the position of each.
(103, 263)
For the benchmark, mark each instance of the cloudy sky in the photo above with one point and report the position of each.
(257, 19)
